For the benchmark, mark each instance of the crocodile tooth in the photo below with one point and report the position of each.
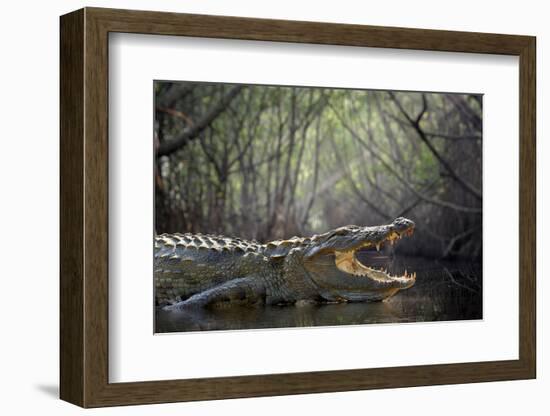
(378, 246)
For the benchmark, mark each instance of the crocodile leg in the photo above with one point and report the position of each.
(241, 291)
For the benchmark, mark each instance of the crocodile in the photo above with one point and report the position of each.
(198, 270)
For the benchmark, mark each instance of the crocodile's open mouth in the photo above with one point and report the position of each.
(375, 257)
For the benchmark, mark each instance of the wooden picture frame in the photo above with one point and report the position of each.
(84, 207)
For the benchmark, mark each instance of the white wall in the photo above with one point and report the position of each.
(29, 220)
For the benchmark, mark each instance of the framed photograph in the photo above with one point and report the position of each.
(255, 207)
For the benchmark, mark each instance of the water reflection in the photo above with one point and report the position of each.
(443, 292)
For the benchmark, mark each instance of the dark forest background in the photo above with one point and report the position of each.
(270, 162)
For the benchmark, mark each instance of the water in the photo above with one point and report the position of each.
(444, 291)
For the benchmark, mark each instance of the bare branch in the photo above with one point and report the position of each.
(450, 275)
(401, 179)
(176, 92)
(176, 113)
(193, 131)
(453, 138)
(354, 187)
(457, 237)
(416, 125)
